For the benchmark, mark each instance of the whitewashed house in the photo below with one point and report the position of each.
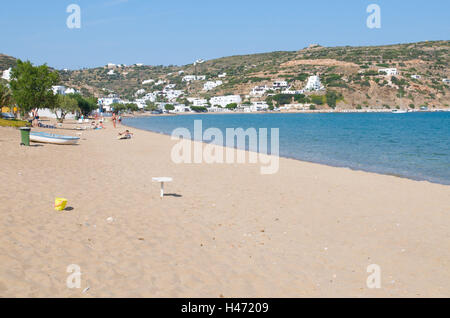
(191, 78)
(149, 81)
(198, 102)
(106, 102)
(225, 100)
(290, 92)
(417, 77)
(139, 92)
(446, 80)
(71, 91)
(313, 84)
(211, 85)
(259, 106)
(111, 72)
(280, 85)
(7, 75)
(172, 95)
(169, 87)
(181, 108)
(259, 91)
(111, 65)
(47, 113)
(223, 75)
(59, 90)
(388, 71)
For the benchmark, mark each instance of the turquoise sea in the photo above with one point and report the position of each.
(412, 145)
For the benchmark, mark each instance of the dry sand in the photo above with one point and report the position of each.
(225, 230)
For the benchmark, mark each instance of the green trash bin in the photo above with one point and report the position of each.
(25, 136)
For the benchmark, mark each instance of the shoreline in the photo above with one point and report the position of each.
(296, 159)
(350, 111)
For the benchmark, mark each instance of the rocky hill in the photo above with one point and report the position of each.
(349, 71)
(6, 62)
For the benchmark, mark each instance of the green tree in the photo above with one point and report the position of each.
(332, 98)
(151, 106)
(64, 105)
(199, 109)
(169, 107)
(317, 99)
(117, 107)
(32, 86)
(132, 107)
(300, 98)
(6, 98)
(232, 106)
(86, 105)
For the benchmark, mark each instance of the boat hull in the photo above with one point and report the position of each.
(53, 139)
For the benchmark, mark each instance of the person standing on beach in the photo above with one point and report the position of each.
(114, 118)
(35, 122)
(120, 120)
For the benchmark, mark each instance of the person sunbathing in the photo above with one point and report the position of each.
(126, 135)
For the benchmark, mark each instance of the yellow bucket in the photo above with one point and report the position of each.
(60, 204)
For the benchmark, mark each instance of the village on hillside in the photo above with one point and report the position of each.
(313, 79)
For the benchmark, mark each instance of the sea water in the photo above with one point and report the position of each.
(413, 145)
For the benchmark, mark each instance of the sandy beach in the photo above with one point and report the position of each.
(223, 230)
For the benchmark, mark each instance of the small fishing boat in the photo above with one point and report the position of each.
(47, 138)
(399, 111)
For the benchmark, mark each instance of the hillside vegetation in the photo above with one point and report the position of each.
(350, 72)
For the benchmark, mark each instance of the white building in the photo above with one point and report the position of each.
(223, 75)
(47, 113)
(7, 74)
(181, 108)
(59, 90)
(139, 92)
(71, 91)
(172, 95)
(416, 76)
(149, 81)
(388, 71)
(313, 84)
(191, 78)
(141, 103)
(259, 106)
(169, 87)
(139, 64)
(111, 72)
(211, 85)
(198, 102)
(106, 102)
(446, 80)
(225, 100)
(280, 85)
(259, 91)
(111, 65)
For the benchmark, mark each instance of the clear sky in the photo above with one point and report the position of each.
(180, 31)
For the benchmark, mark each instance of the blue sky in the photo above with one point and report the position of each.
(180, 31)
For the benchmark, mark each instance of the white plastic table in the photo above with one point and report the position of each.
(162, 180)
